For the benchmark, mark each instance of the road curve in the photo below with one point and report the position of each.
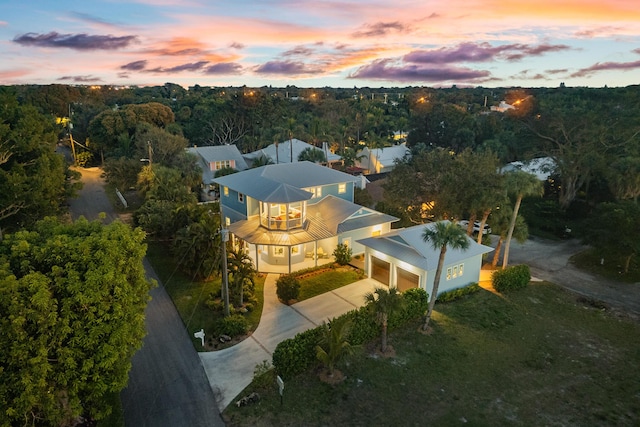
(167, 383)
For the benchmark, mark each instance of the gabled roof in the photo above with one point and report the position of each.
(407, 244)
(284, 151)
(265, 181)
(388, 155)
(216, 153)
(325, 219)
(541, 167)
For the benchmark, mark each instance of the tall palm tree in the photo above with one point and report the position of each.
(442, 235)
(500, 220)
(387, 302)
(520, 184)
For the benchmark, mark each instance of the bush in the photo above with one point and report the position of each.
(234, 325)
(416, 302)
(342, 253)
(287, 288)
(458, 293)
(296, 355)
(516, 277)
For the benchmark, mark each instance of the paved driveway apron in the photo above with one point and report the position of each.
(231, 370)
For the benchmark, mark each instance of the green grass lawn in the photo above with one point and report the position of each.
(327, 281)
(189, 297)
(531, 357)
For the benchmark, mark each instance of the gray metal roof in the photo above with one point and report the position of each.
(216, 153)
(325, 219)
(260, 183)
(407, 244)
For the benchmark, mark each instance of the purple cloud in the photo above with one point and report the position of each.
(74, 41)
(224, 68)
(192, 66)
(286, 67)
(135, 66)
(383, 70)
(379, 29)
(478, 52)
(236, 45)
(605, 66)
(298, 51)
(80, 79)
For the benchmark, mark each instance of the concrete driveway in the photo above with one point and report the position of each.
(231, 370)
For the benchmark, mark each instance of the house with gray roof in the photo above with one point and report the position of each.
(215, 157)
(289, 150)
(403, 259)
(292, 216)
(380, 160)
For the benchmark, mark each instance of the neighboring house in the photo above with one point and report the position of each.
(213, 158)
(403, 259)
(502, 107)
(541, 167)
(293, 215)
(288, 149)
(379, 160)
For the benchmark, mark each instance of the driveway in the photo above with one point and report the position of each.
(549, 260)
(167, 385)
(231, 370)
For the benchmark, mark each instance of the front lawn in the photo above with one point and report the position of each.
(538, 356)
(327, 280)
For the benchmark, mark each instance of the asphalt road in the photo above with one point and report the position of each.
(167, 383)
(549, 260)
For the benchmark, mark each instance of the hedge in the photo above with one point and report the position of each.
(458, 293)
(297, 355)
(516, 277)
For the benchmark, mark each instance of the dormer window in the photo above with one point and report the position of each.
(342, 188)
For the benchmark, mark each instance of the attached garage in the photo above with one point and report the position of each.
(406, 280)
(380, 270)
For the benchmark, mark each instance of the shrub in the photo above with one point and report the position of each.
(416, 302)
(342, 253)
(363, 327)
(233, 325)
(287, 288)
(458, 293)
(515, 277)
(296, 355)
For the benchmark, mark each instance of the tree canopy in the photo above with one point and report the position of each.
(73, 299)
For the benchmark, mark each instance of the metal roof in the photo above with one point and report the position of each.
(325, 219)
(216, 153)
(407, 244)
(261, 183)
(284, 150)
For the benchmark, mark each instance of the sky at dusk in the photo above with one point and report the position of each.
(321, 43)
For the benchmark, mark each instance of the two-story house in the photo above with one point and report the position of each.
(213, 158)
(292, 216)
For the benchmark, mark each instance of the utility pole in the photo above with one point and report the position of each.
(225, 278)
(69, 127)
(150, 152)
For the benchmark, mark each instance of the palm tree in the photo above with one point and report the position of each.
(520, 184)
(387, 302)
(262, 161)
(442, 234)
(333, 345)
(312, 154)
(500, 219)
(241, 271)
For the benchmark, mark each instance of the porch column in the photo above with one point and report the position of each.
(257, 258)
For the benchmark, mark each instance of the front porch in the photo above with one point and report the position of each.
(283, 259)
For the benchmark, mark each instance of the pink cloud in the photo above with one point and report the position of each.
(383, 69)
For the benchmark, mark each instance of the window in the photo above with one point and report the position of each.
(241, 197)
(316, 191)
(295, 250)
(217, 165)
(449, 273)
(455, 271)
(460, 269)
(225, 191)
(342, 188)
(278, 251)
(227, 221)
(376, 231)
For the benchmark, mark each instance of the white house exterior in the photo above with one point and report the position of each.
(380, 160)
(402, 259)
(292, 216)
(288, 151)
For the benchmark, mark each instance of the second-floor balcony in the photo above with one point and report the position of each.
(282, 217)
